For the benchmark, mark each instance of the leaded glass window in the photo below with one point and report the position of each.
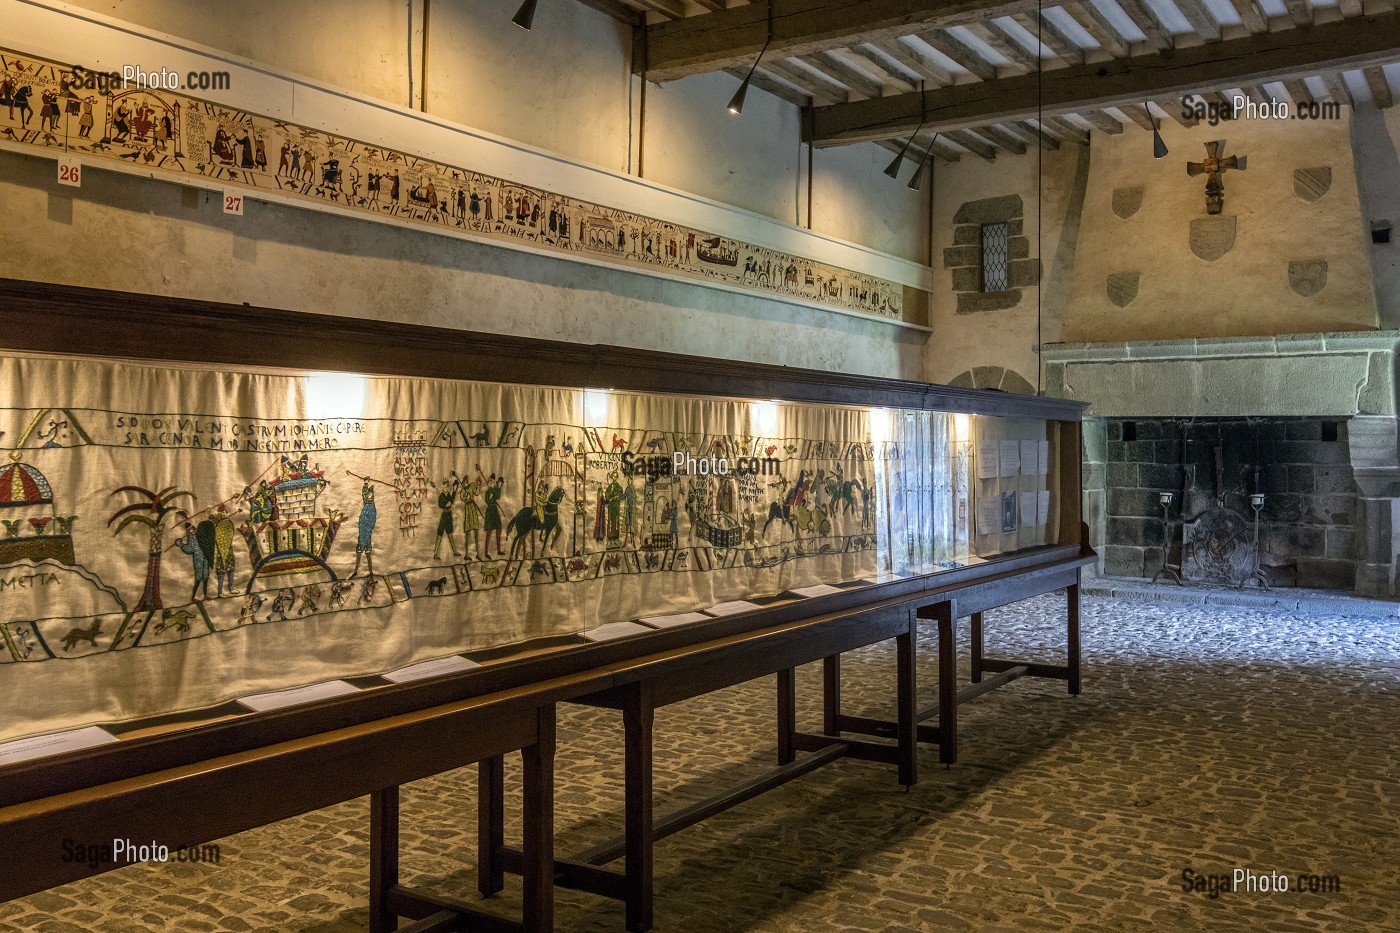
(994, 258)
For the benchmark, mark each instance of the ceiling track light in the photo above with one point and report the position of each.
(525, 16)
(917, 181)
(892, 169)
(736, 103)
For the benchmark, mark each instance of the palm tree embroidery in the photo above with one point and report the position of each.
(151, 511)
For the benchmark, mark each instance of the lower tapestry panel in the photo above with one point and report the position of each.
(174, 537)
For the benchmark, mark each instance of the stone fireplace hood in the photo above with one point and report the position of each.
(1333, 376)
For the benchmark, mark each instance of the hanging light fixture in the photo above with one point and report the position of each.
(1159, 148)
(892, 169)
(736, 103)
(917, 181)
(525, 16)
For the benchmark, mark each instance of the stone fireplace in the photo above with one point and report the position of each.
(1307, 421)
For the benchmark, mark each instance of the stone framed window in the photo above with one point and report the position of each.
(995, 263)
(990, 262)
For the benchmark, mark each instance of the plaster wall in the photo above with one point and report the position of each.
(135, 234)
(1246, 291)
(1006, 338)
(1376, 140)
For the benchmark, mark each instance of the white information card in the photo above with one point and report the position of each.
(41, 746)
(262, 702)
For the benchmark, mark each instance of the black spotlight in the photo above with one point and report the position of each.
(525, 16)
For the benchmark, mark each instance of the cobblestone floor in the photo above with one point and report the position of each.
(1207, 737)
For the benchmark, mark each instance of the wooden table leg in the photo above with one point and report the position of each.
(946, 614)
(975, 637)
(787, 715)
(383, 857)
(638, 715)
(490, 825)
(831, 694)
(538, 844)
(907, 697)
(1072, 599)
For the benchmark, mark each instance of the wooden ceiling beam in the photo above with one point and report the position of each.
(1300, 11)
(959, 52)
(1051, 37)
(834, 68)
(1001, 137)
(1103, 122)
(995, 36)
(1343, 44)
(772, 85)
(889, 74)
(972, 144)
(1251, 17)
(1045, 140)
(1298, 91)
(1350, 7)
(714, 6)
(1337, 88)
(1067, 130)
(1380, 87)
(823, 90)
(1146, 21)
(1139, 115)
(1092, 21)
(733, 37)
(1200, 18)
(916, 63)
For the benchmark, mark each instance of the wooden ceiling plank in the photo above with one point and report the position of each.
(1200, 18)
(714, 6)
(972, 144)
(959, 52)
(1174, 108)
(1339, 45)
(1380, 87)
(772, 85)
(821, 87)
(1045, 140)
(1350, 8)
(1251, 17)
(1103, 122)
(1146, 21)
(1067, 130)
(1300, 11)
(1139, 115)
(996, 37)
(1298, 91)
(1051, 37)
(890, 74)
(1006, 140)
(1092, 21)
(733, 37)
(908, 58)
(842, 73)
(1337, 88)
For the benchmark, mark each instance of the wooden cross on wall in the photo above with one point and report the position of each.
(1213, 167)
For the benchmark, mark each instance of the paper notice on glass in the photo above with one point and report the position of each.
(41, 746)
(1043, 459)
(987, 467)
(615, 630)
(1029, 459)
(684, 618)
(1042, 507)
(1010, 458)
(434, 668)
(734, 608)
(821, 589)
(1028, 509)
(989, 515)
(262, 702)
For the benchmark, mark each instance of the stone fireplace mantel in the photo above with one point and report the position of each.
(1298, 375)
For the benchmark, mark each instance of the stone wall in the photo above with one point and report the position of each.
(1302, 466)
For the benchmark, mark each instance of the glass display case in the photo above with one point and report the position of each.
(180, 538)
